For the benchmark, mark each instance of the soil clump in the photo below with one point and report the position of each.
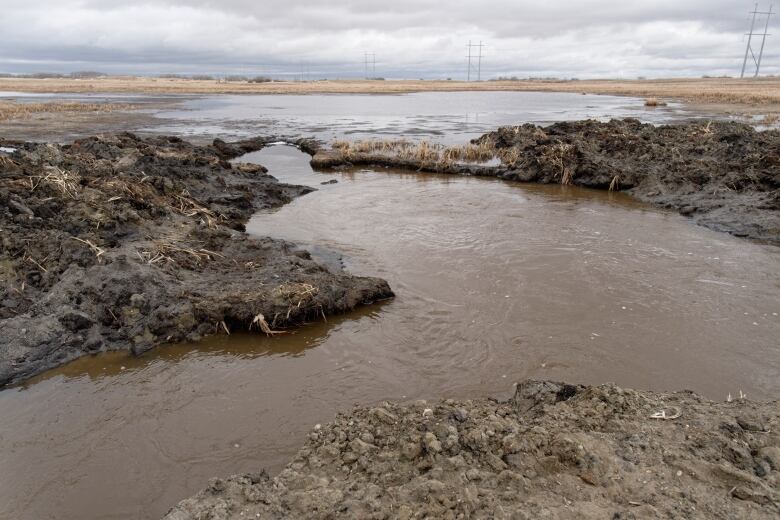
(551, 451)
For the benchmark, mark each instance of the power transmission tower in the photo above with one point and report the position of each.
(749, 48)
(370, 57)
(478, 58)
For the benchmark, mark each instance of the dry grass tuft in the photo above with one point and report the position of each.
(654, 102)
(295, 294)
(770, 119)
(510, 156)
(99, 251)
(292, 291)
(423, 152)
(558, 155)
(175, 252)
(64, 181)
(15, 111)
(189, 207)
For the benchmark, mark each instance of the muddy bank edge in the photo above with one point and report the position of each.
(121, 242)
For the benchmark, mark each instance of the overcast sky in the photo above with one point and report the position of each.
(410, 38)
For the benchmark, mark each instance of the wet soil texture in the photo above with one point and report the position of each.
(126, 243)
(724, 175)
(552, 451)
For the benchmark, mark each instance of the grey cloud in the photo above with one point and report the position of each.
(585, 38)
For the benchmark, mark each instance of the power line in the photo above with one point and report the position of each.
(478, 58)
(749, 47)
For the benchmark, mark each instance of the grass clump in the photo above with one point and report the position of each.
(654, 102)
(424, 152)
(19, 111)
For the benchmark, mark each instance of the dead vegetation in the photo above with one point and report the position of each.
(559, 155)
(654, 102)
(18, 111)
(176, 251)
(770, 119)
(423, 152)
(67, 183)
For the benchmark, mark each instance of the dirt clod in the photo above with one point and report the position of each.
(551, 451)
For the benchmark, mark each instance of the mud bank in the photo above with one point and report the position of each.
(127, 243)
(724, 175)
(551, 451)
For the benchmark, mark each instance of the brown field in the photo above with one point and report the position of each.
(749, 92)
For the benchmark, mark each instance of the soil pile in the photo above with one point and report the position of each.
(126, 243)
(552, 451)
(724, 175)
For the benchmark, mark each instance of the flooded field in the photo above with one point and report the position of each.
(495, 282)
(452, 117)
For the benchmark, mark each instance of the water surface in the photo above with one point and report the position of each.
(451, 117)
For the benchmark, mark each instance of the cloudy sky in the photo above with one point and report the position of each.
(410, 38)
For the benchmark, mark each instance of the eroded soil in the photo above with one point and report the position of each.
(724, 175)
(552, 451)
(126, 243)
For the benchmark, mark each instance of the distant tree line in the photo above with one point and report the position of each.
(81, 74)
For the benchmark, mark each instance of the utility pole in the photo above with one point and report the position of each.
(749, 48)
(763, 40)
(478, 57)
(372, 56)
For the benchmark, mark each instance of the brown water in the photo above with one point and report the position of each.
(495, 282)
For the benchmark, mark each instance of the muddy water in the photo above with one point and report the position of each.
(495, 282)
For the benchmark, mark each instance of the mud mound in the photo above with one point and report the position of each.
(125, 243)
(725, 176)
(552, 451)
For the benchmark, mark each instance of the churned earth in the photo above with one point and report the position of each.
(121, 242)
(552, 451)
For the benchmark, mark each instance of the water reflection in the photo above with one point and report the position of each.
(233, 348)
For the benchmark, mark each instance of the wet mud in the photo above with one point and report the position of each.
(551, 451)
(126, 243)
(723, 175)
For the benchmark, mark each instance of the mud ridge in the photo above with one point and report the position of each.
(551, 451)
(723, 175)
(123, 242)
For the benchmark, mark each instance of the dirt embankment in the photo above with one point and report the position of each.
(724, 175)
(127, 243)
(552, 451)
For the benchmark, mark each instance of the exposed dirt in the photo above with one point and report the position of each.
(552, 451)
(724, 175)
(126, 243)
